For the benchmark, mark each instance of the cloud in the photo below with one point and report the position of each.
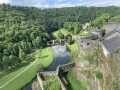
(62, 5)
(60, 0)
(4, 1)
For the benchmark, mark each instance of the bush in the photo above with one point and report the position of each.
(61, 36)
(39, 68)
(114, 85)
(90, 58)
(69, 40)
(117, 51)
(99, 75)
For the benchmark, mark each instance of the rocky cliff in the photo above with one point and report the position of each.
(94, 69)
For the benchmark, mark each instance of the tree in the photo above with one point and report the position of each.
(38, 41)
(12, 59)
(6, 61)
(69, 40)
(61, 36)
(77, 29)
(39, 68)
(22, 55)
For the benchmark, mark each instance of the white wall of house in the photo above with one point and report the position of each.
(105, 51)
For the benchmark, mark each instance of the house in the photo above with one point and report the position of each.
(95, 34)
(86, 25)
(111, 41)
(98, 32)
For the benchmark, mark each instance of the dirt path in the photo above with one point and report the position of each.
(21, 72)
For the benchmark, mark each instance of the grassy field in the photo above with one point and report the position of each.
(54, 85)
(74, 51)
(23, 79)
(73, 83)
(63, 31)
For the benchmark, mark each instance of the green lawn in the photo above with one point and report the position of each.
(54, 85)
(63, 31)
(45, 58)
(74, 51)
(73, 83)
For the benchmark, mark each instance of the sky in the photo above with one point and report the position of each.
(61, 3)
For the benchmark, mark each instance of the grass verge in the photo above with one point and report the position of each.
(73, 82)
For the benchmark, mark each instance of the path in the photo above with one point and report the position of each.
(22, 71)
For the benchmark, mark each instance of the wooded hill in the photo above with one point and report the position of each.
(25, 28)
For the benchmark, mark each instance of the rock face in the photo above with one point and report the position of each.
(109, 66)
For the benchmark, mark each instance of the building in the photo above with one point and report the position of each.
(86, 25)
(111, 41)
(98, 32)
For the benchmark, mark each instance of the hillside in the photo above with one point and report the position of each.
(24, 30)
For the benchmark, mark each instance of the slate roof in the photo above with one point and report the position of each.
(96, 30)
(112, 44)
(111, 32)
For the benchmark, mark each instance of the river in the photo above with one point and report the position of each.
(61, 56)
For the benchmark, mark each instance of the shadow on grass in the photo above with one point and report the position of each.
(11, 70)
(44, 56)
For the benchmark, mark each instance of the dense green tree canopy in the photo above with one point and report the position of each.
(26, 28)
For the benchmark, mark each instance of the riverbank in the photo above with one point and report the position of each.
(22, 79)
(74, 51)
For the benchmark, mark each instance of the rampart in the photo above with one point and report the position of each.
(59, 73)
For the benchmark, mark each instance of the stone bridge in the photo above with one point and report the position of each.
(53, 42)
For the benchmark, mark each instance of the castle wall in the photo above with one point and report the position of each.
(87, 46)
(109, 26)
(61, 69)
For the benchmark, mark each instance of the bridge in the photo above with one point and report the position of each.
(53, 42)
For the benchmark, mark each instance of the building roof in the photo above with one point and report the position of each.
(112, 32)
(96, 30)
(112, 44)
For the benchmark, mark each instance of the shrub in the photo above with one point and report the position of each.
(95, 52)
(116, 51)
(99, 75)
(39, 68)
(114, 85)
(69, 40)
(61, 36)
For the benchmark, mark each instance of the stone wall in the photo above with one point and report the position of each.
(109, 26)
(41, 82)
(59, 73)
(50, 73)
(87, 46)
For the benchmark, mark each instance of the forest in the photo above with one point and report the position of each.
(23, 29)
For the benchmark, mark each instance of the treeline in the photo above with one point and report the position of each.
(99, 21)
(25, 28)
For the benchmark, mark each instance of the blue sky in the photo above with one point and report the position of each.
(61, 3)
